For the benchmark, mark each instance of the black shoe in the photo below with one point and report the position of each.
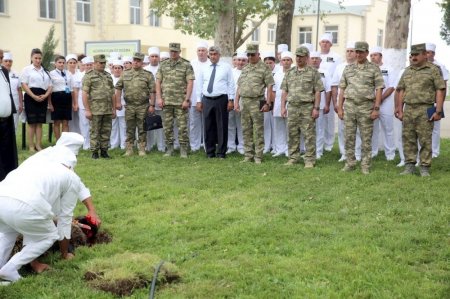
(95, 155)
(104, 154)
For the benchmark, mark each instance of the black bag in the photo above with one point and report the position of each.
(152, 122)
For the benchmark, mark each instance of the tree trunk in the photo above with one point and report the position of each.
(284, 23)
(224, 35)
(397, 30)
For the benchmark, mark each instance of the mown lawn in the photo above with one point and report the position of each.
(265, 231)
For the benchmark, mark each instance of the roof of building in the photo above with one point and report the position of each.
(309, 7)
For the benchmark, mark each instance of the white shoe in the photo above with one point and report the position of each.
(358, 159)
(241, 152)
(434, 156)
(266, 151)
(374, 155)
(328, 149)
(318, 157)
(342, 159)
(390, 158)
(277, 154)
(5, 283)
(229, 151)
(401, 164)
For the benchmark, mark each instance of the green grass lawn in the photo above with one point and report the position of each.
(264, 231)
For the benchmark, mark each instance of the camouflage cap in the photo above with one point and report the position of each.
(100, 58)
(138, 55)
(252, 48)
(175, 47)
(361, 46)
(418, 48)
(302, 51)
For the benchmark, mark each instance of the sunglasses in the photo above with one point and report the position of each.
(251, 54)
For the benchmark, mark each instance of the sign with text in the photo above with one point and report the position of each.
(124, 47)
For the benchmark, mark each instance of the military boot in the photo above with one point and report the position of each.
(169, 150)
(142, 149)
(104, 154)
(129, 149)
(409, 169)
(183, 152)
(424, 171)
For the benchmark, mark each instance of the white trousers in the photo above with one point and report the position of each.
(329, 130)
(268, 130)
(196, 128)
(436, 139)
(74, 123)
(235, 128)
(280, 145)
(118, 132)
(156, 137)
(398, 128)
(341, 140)
(39, 233)
(384, 126)
(84, 128)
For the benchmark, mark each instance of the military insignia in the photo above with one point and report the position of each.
(384, 72)
(330, 59)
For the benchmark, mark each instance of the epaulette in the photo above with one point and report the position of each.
(147, 71)
(90, 71)
(185, 60)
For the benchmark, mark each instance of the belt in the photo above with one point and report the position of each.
(420, 104)
(215, 98)
(59, 92)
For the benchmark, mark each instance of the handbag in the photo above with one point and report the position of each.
(152, 122)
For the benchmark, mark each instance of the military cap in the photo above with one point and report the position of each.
(361, 46)
(252, 48)
(138, 55)
(418, 48)
(302, 51)
(175, 47)
(100, 58)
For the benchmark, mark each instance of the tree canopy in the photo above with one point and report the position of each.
(445, 26)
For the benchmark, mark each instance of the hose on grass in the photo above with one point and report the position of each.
(155, 277)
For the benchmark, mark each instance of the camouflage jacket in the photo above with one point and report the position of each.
(254, 79)
(100, 88)
(301, 85)
(137, 85)
(421, 83)
(174, 77)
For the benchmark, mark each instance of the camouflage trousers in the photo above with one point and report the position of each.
(358, 116)
(100, 132)
(416, 127)
(134, 117)
(171, 113)
(300, 122)
(252, 127)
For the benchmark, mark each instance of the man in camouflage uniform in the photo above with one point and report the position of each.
(174, 82)
(419, 87)
(361, 85)
(99, 104)
(256, 76)
(139, 87)
(301, 87)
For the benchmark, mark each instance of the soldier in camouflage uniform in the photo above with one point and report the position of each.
(139, 87)
(301, 87)
(256, 76)
(99, 104)
(174, 82)
(361, 85)
(419, 87)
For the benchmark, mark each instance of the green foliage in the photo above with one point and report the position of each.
(48, 48)
(445, 26)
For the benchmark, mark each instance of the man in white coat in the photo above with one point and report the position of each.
(51, 192)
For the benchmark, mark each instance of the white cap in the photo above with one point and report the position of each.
(327, 37)
(127, 59)
(350, 45)
(71, 140)
(118, 62)
(307, 45)
(164, 55)
(7, 56)
(376, 50)
(110, 61)
(202, 44)
(71, 56)
(153, 51)
(287, 54)
(428, 47)
(146, 60)
(267, 54)
(87, 59)
(241, 55)
(314, 54)
(63, 155)
(114, 55)
(282, 48)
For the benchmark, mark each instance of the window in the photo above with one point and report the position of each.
(255, 34)
(47, 9)
(153, 18)
(271, 33)
(84, 11)
(380, 37)
(304, 35)
(2, 6)
(135, 11)
(333, 30)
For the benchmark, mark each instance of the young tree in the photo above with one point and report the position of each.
(445, 26)
(48, 48)
(284, 23)
(225, 21)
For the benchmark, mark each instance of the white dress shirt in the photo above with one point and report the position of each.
(37, 78)
(223, 81)
(60, 82)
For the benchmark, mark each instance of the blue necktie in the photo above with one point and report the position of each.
(211, 80)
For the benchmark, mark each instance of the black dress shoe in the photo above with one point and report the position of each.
(95, 155)
(104, 154)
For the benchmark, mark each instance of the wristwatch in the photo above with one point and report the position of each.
(317, 108)
(439, 113)
(376, 108)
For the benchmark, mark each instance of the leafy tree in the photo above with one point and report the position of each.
(48, 48)
(225, 21)
(445, 26)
